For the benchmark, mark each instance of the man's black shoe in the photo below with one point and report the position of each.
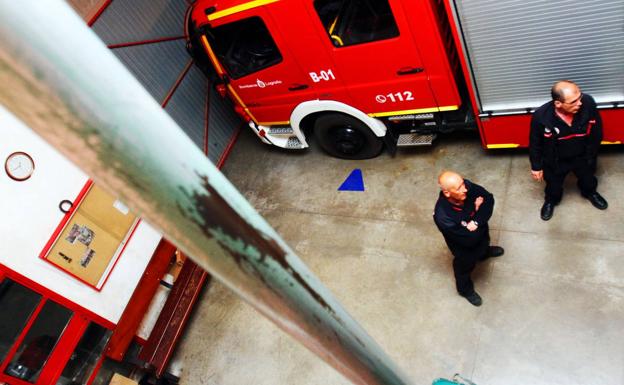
(495, 251)
(598, 201)
(474, 298)
(547, 210)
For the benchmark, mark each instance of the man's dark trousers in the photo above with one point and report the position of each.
(555, 175)
(464, 262)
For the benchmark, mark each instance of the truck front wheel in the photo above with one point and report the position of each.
(346, 137)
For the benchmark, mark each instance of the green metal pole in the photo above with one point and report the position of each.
(62, 81)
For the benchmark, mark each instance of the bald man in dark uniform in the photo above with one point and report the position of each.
(461, 214)
(565, 136)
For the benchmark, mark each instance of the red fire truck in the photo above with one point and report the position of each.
(358, 74)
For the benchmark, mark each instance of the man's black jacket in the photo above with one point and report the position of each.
(552, 140)
(451, 220)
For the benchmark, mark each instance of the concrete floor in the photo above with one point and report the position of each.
(553, 304)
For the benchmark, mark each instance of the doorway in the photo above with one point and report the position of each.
(43, 342)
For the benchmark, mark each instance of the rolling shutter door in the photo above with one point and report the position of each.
(518, 48)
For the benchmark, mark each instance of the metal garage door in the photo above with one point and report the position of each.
(148, 36)
(518, 48)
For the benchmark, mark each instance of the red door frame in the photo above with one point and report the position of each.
(68, 340)
(59, 356)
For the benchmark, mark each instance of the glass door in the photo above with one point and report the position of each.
(43, 342)
(86, 356)
(17, 304)
(34, 350)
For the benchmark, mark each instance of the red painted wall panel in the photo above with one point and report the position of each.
(514, 129)
(613, 121)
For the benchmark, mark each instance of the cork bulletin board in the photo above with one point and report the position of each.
(91, 237)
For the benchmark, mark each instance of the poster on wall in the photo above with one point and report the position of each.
(91, 237)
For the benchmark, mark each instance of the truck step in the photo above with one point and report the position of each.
(280, 131)
(413, 139)
(293, 142)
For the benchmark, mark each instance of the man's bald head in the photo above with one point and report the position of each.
(563, 88)
(452, 186)
(566, 97)
(448, 179)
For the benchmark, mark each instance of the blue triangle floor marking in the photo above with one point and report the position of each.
(354, 182)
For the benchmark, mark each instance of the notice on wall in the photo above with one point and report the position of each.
(92, 240)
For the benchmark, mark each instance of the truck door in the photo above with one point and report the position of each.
(375, 55)
(260, 69)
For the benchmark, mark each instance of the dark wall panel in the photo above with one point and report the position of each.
(126, 21)
(156, 66)
(187, 106)
(222, 123)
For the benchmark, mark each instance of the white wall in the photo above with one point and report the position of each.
(29, 215)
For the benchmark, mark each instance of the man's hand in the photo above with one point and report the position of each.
(478, 202)
(537, 175)
(471, 226)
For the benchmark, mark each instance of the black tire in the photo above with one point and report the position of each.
(346, 137)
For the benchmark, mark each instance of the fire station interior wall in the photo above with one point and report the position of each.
(86, 8)
(148, 36)
(517, 51)
(31, 215)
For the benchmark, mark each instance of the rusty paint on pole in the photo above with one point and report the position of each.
(61, 80)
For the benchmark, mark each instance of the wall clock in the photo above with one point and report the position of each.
(19, 166)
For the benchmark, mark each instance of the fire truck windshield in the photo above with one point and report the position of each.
(244, 46)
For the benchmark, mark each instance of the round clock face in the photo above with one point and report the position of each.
(19, 166)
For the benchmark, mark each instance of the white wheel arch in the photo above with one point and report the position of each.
(313, 106)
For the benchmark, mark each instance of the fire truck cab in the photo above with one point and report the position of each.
(358, 74)
(339, 69)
